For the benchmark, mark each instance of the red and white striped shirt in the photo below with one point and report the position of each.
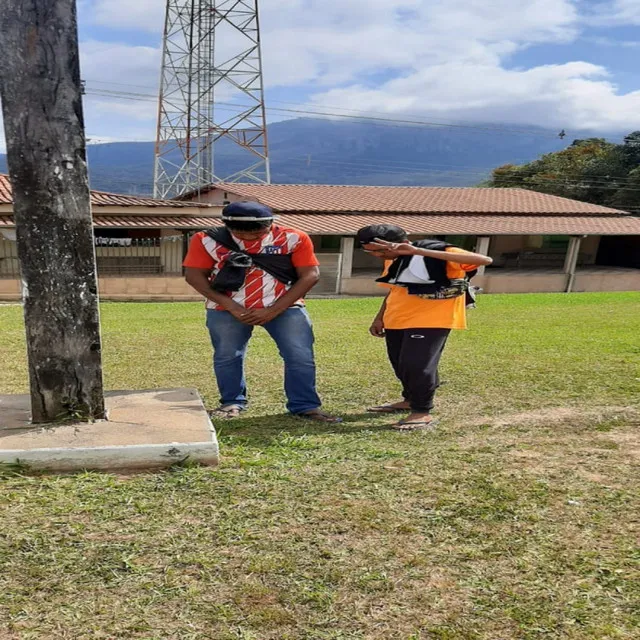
(260, 289)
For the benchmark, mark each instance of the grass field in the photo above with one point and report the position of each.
(518, 518)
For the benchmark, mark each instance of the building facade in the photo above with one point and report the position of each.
(539, 243)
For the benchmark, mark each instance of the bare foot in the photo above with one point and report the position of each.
(415, 422)
(227, 412)
(319, 416)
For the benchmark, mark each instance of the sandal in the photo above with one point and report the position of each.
(227, 413)
(387, 408)
(319, 416)
(419, 425)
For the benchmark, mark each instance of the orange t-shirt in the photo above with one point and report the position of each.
(405, 311)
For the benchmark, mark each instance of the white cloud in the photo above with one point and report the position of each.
(446, 58)
(602, 41)
(572, 96)
(334, 41)
(119, 63)
(615, 12)
(137, 15)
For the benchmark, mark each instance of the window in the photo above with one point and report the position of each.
(555, 242)
(330, 243)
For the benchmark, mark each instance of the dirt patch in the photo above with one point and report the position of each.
(628, 441)
(562, 415)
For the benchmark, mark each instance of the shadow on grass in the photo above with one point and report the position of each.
(267, 429)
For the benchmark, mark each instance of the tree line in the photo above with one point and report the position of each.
(592, 170)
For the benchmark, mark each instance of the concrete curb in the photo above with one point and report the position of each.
(140, 436)
(131, 458)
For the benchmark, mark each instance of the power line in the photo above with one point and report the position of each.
(124, 95)
(601, 181)
(591, 179)
(332, 109)
(576, 185)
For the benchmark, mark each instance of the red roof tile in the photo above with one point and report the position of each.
(141, 222)
(156, 222)
(348, 224)
(334, 224)
(5, 190)
(105, 199)
(434, 200)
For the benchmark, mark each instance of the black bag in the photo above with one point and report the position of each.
(232, 275)
(442, 288)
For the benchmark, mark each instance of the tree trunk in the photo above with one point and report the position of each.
(46, 153)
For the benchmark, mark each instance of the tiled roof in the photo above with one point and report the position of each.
(105, 199)
(435, 200)
(156, 222)
(348, 224)
(5, 190)
(141, 222)
(334, 224)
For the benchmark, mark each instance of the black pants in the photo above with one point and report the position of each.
(415, 356)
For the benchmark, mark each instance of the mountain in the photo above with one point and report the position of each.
(337, 152)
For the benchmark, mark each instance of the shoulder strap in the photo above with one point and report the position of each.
(433, 245)
(439, 245)
(223, 236)
(280, 267)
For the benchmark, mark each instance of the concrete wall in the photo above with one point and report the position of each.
(361, 287)
(175, 288)
(525, 282)
(146, 288)
(502, 283)
(589, 247)
(522, 282)
(624, 280)
(172, 287)
(217, 198)
(9, 288)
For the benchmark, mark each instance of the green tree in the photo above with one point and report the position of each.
(591, 170)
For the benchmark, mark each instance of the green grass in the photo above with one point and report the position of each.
(517, 519)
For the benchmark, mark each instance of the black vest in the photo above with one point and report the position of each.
(232, 275)
(437, 270)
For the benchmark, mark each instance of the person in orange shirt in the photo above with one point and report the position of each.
(427, 298)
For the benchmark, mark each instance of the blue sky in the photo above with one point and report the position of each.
(560, 63)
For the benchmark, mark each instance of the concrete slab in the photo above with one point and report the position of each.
(145, 430)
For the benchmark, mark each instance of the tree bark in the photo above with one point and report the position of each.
(46, 153)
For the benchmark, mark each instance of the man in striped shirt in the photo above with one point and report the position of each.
(251, 250)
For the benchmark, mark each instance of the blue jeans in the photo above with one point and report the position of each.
(292, 333)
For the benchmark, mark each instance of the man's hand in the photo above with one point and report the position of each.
(395, 248)
(260, 317)
(377, 328)
(240, 313)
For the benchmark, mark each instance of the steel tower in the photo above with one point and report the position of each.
(211, 97)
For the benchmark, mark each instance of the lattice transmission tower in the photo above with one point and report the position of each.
(211, 97)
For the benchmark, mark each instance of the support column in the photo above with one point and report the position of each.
(482, 246)
(347, 245)
(571, 261)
